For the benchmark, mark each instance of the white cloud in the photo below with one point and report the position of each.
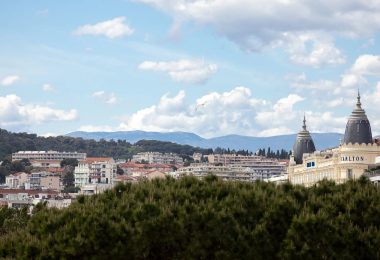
(213, 114)
(321, 52)
(91, 128)
(231, 112)
(114, 28)
(258, 24)
(9, 80)
(186, 71)
(15, 113)
(281, 113)
(108, 98)
(50, 134)
(48, 87)
(367, 65)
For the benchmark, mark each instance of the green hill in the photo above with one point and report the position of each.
(13, 142)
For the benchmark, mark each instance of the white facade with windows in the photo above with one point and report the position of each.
(47, 155)
(339, 164)
(230, 172)
(158, 158)
(356, 154)
(95, 170)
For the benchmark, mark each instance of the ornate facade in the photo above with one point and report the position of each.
(348, 161)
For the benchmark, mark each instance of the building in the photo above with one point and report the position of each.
(350, 160)
(47, 155)
(158, 158)
(257, 164)
(197, 157)
(46, 163)
(228, 172)
(17, 180)
(131, 168)
(95, 170)
(43, 181)
(17, 198)
(280, 179)
(95, 188)
(51, 181)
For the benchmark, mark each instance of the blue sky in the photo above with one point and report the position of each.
(249, 67)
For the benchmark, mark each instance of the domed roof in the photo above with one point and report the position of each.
(303, 144)
(358, 128)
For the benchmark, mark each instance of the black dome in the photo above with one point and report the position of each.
(358, 128)
(303, 144)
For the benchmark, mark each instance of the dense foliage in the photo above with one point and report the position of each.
(279, 154)
(13, 142)
(169, 147)
(193, 219)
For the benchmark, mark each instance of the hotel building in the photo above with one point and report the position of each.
(351, 159)
(47, 155)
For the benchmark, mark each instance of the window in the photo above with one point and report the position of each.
(349, 173)
(310, 164)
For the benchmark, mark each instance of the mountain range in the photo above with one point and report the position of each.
(237, 142)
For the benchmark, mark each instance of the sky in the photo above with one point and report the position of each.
(211, 67)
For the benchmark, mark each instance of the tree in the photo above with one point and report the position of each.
(119, 171)
(68, 176)
(69, 161)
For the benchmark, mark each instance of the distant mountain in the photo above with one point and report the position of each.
(237, 142)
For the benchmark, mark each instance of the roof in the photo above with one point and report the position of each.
(125, 177)
(304, 144)
(97, 159)
(142, 165)
(56, 170)
(358, 128)
(29, 192)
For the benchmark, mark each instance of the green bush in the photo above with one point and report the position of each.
(209, 219)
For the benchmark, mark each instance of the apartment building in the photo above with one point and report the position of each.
(230, 172)
(95, 170)
(158, 158)
(131, 168)
(47, 155)
(256, 164)
(43, 181)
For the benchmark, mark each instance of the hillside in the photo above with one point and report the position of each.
(210, 219)
(13, 142)
(237, 142)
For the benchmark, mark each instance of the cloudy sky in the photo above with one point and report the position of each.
(212, 67)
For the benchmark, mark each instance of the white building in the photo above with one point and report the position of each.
(229, 172)
(47, 155)
(356, 154)
(279, 179)
(17, 180)
(95, 170)
(256, 164)
(158, 158)
(197, 157)
(95, 188)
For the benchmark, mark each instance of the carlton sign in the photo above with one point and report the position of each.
(352, 158)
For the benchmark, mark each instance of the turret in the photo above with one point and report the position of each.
(358, 128)
(304, 144)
